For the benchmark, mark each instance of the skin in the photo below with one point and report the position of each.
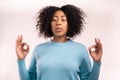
(96, 54)
(59, 22)
(20, 51)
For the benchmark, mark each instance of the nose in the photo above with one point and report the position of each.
(59, 22)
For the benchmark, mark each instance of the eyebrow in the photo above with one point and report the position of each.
(57, 16)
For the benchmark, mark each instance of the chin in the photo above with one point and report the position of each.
(60, 35)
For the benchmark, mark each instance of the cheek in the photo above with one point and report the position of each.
(66, 27)
(52, 26)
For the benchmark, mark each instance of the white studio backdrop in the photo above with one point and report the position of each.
(18, 17)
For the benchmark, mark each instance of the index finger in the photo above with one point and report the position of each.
(19, 40)
(98, 42)
(20, 37)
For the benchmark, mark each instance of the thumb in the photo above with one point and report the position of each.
(89, 49)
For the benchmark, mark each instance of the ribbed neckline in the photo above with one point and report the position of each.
(60, 43)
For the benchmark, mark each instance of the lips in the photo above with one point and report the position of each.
(58, 29)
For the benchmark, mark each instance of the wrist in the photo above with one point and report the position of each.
(97, 61)
(20, 58)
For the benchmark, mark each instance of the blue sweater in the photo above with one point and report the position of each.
(59, 61)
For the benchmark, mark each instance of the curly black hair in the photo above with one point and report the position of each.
(75, 17)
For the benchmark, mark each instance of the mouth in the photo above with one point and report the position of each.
(58, 29)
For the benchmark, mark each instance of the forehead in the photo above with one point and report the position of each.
(59, 13)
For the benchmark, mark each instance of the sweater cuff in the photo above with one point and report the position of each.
(96, 64)
(21, 62)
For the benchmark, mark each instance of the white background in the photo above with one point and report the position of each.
(18, 17)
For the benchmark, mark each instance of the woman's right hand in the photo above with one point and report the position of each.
(22, 48)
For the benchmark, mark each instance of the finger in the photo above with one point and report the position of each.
(99, 42)
(92, 48)
(17, 43)
(25, 46)
(20, 38)
(96, 41)
(28, 47)
(99, 45)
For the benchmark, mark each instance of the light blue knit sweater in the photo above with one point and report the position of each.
(59, 61)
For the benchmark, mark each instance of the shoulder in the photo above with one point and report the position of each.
(38, 50)
(78, 44)
(80, 47)
(41, 46)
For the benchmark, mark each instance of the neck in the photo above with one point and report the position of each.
(59, 39)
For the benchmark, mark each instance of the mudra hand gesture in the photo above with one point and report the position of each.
(22, 48)
(96, 50)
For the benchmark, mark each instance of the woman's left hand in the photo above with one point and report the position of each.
(96, 50)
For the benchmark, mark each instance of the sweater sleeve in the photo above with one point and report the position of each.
(94, 74)
(87, 72)
(29, 74)
(23, 73)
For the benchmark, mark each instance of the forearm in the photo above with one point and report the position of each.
(94, 74)
(23, 73)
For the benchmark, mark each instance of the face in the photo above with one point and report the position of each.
(59, 24)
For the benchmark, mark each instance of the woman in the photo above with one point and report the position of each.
(60, 58)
